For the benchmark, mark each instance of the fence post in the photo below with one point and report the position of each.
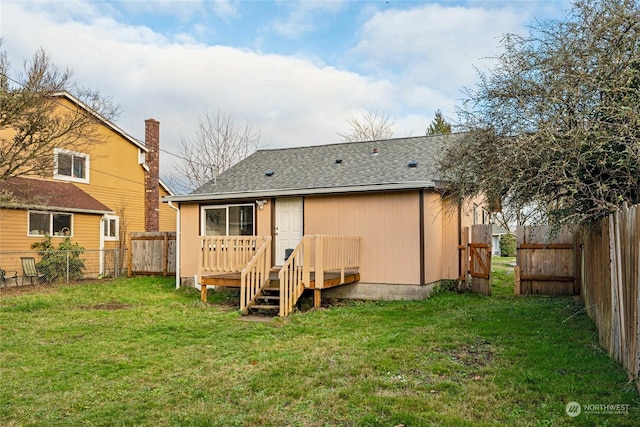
(116, 263)
(67, 267)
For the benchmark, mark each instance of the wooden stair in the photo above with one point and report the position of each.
(268, 301)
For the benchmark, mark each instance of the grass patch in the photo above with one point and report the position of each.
(138, 352)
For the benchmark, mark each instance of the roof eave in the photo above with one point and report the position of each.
(302, 191)
(102, 119)
(57, 209)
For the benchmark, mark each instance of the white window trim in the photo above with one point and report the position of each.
(203, 217)
(84, 180)
(50, 231)
(108, 218)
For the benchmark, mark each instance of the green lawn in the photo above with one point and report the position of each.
(138, 352)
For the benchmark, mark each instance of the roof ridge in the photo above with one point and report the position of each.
(332, 144)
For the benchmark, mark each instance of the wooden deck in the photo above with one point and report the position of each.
(331, 279)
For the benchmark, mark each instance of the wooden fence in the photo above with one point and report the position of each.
(611, 282)
(546, 265)
(152, 253)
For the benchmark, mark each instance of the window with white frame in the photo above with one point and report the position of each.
(51, 223)
(71, 166)
(110, 228)
(228, 220)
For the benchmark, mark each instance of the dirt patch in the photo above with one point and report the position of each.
(478, 354)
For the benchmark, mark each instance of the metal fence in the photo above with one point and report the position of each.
(61, 266)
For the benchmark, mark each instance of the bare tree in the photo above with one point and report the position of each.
(369, 126)
(218, 144)
(35, 118)
(555, 125)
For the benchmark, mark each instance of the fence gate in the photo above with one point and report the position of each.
(546, 266)
(480, 259)
(477, 257)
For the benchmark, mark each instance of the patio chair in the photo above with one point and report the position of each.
(4, 277)
(30, 271)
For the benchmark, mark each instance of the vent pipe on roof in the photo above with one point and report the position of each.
(375, 152)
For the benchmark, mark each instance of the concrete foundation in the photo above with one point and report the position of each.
(380, 291)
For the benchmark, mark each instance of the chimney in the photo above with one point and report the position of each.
(152, 177)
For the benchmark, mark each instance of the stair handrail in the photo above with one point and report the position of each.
(255, 275)
(293, 275)
(330, 253)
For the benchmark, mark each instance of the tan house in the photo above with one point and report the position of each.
(95, 196)
(364, 219)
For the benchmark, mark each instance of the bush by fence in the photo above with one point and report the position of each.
(66, 265)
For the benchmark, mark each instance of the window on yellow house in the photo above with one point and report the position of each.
(71, 166)
(51, 223)
(110, 227)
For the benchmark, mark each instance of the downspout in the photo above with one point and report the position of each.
(177, 209)
(460, 239)
(422, 239)
(101, 259)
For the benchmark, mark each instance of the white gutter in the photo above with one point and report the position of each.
(177, 209)
(301, 191)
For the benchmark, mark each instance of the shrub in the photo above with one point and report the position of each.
(507, 245)
(61, 263)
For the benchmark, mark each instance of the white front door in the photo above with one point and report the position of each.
(288, 226)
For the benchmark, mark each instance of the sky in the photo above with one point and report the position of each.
(293, 71)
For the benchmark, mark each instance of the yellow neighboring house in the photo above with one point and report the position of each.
(96, 196)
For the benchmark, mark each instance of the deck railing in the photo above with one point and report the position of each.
(227, 254)
(335, 253)
(255, 275)
(320, 254)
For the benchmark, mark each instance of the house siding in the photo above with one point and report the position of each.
(189, 244)
(116, 179)
(388, 223)
(13, 229)
(167, 214)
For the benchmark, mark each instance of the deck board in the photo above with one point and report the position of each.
(331, 279)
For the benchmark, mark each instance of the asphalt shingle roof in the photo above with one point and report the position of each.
(316, 167)
(44, 194)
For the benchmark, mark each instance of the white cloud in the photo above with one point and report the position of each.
(303, 17)
(432, 43)
(415, 60)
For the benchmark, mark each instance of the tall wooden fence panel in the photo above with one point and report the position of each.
(152, 253)
(546, 264)
(611, 282)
